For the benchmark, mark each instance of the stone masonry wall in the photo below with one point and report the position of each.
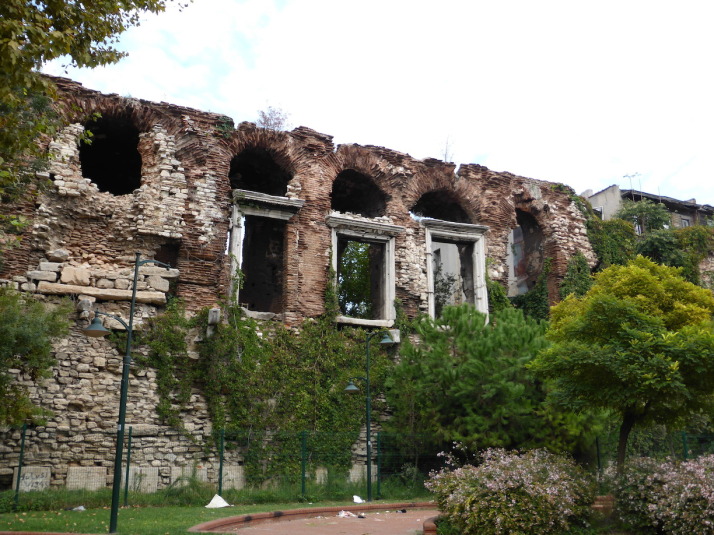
(81, 243)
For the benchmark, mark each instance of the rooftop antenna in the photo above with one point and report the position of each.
(631, 176)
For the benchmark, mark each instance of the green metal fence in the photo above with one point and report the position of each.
(157, 458)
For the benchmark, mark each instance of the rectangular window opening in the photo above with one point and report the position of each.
(453, 274)
(262, 264)
(361, 278)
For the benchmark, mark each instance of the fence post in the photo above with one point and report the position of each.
(221, 448)
(303, 461)
(126, 474)
(599, 458)
(19, 466)
(685, 446)
(379, 465)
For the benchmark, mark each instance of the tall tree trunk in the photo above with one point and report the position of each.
(628, 421)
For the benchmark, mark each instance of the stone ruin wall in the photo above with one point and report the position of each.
(81, 243)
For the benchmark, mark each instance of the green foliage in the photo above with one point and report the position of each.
(354, 281)
(662, 247)
(577, 278)
(535, 302)
(684, 248)
(168, 354)
(613, 241)
(294, 381)
(667, 497)
(497, 296)
(27, 328)
(22, 119)
(466, 380)
(519, 493)
(224, 127)
(645, 214)
(32, 33)
(697, 243)
(638, 343)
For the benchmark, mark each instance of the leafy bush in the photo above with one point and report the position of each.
(534, 492)
(668, 497)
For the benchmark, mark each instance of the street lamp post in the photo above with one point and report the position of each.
(96, 330)
(352, 388)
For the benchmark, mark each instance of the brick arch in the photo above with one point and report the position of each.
(363, 161)
(435, 182)
(445, 204)
(540, 209)
(116, 158)
(278, 145)
(361, 181)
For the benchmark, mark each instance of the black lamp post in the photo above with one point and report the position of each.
(353, 389)
(96, 330)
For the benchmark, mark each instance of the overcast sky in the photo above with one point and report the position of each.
(584, 93)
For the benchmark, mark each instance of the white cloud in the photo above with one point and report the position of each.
(557, 90)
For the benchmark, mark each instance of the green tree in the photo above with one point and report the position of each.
(354, 281)
(645, 214)
(466, 380)
(639, 343)
(26, 331)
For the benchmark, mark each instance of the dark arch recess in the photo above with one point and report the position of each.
(255, 169)
(111, 158)
(357, 193)
(442, 205)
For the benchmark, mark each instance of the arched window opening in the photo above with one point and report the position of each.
(111, 157)
(441, 205)
(255, 170)
(525, 254)
(356, 193)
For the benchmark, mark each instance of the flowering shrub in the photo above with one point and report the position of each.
(669, 497)
(510, 493)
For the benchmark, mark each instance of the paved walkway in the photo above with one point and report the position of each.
(373, 523)
(365, 519)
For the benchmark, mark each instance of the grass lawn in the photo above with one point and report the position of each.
(134, 520)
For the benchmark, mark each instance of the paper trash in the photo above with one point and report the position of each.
(217, 502)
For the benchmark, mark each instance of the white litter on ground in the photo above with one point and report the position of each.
(217, 502)
(357, 499)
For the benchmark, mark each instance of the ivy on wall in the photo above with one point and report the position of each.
(578, 279)
(267, 378)
(614, 241)
(535, 303)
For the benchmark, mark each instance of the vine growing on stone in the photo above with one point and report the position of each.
(265, 380)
